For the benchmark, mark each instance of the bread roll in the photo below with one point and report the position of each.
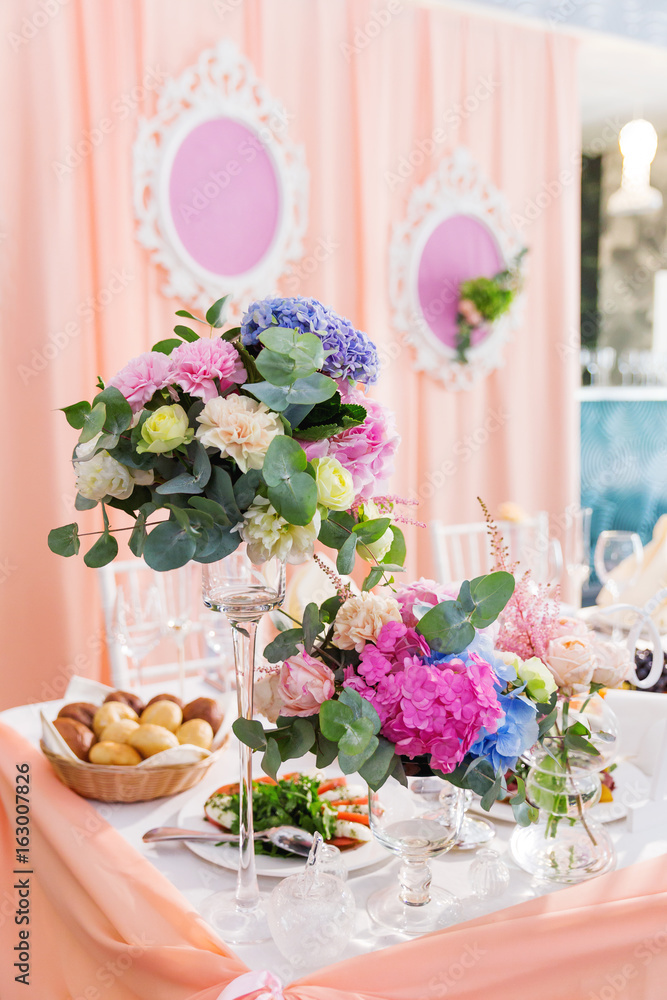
(82, 711)
(119, 732)
(163, 713)
(165, 697)
(127, 698)
(112, 711)
(196, 731)
(114, 753)
(204, 708)
(149, 740)
(79, 738)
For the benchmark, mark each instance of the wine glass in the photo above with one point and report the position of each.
(243, 592)
(217, 634)
(613, 548)
(474, 831)
(137, 622)
(576, 544)
(178, 589)
(417, 822)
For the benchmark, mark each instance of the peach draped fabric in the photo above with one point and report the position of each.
(363, 92)
(103, 920)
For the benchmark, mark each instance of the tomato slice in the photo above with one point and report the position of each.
(362, 801)
(344, 842)
(361, 818)
(234, 787)
(326, 786)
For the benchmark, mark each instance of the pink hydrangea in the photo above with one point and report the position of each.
(427, 708)
(423, 592)
(366, 451)
(197, 365)
(142, 377)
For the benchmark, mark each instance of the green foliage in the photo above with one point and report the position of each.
(450, 626)
(489, 297)
(65, 541)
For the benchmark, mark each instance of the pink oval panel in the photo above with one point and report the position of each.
(224, 196)
(459, 248)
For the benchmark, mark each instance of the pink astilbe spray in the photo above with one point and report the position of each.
(530, 619)
(342, 589)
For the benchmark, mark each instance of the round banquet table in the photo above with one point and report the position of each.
(196, 878)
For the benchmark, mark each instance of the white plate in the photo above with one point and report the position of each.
(191, 817)
(632, 785)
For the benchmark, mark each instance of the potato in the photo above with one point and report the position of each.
(149, 739)
(127, 698)
(119, 732)
(196, 731)
(163, 713)
(114, 753)
(112, 711)
(82, 711)
(79, 738)
(204, 708)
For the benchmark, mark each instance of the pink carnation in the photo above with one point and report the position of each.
(197, 365)
(366, 451)
(421, 592)
(142, 377)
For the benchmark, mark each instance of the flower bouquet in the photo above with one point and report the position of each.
(253, 434)
(482, 301)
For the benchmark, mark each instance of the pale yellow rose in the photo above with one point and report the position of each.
(335, 486)
(572, 661)
(614, 664)
(240, 427)
(103, 476)
(165, 429)
(379, 548)
(539, 681)
(360, 619)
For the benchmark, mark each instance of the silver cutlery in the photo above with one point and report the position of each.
(287, 838)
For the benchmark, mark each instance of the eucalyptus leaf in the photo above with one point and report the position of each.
(335, 718)
(220, 489)
(295, 499)
(311, 626)
(347, 555)
(215, 315)
(65, 541)
(93, 422)
(379, 765)
(326, 751)
(250, 732)
(76, 414)
(83, 503)
(271, 760)
(330, 609)
(490, 594)
(356, 737)
(138, 536)
(245, 488)
(102, 552)
(397, 552)
(166, 346)
(284, 645)
(188, 315)
(185, 333)
(350, 763)
(168, 546)
(284, 458)
(211, 507)
(336, 529)
(373, 578)
(371, 531)
(300, 739)
(118, 412)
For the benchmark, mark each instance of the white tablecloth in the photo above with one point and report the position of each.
(196, 878)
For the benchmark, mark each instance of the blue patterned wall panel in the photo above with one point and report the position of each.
(624, 464)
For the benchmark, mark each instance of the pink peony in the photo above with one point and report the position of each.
(423, 592)
(142, 377)
(304, 684)
(366, 451)
(197, 365)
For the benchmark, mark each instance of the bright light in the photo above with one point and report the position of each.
(638, 140)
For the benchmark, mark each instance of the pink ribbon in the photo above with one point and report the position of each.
(250, 983)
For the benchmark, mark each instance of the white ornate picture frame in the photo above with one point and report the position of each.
(456, 189)
(220, 191)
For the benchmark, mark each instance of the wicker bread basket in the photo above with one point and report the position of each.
(110, 783)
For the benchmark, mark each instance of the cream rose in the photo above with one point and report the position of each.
(240, 427)
(268, 535)
(335, 486)
(102, 476)
(165, 429)
(267, 700)
(570, 626)
(572, 661)
(360, 619)
(614, 664)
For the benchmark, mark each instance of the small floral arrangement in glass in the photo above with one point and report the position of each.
(482, 301)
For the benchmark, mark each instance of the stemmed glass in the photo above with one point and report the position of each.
(244, 593)
(178, 589)
(137, 622)
(217, 634)
(613, 548)
(417, 822)
(577, 550)
(474, 832)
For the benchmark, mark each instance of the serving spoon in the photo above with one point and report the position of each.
(287, 838)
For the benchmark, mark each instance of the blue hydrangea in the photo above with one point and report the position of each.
(354, 355)
(482, 644)
(516, 733)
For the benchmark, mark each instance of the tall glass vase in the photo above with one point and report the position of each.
(243, 592)
(567, 845)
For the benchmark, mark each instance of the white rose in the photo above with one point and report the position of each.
(240, 427)
(103, 476)
(335, 486)
(269, 536)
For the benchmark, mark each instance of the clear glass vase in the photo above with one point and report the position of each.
(567, 845)
(418, 822)
(243, 592)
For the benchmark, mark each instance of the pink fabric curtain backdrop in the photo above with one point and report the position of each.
(365, 85)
